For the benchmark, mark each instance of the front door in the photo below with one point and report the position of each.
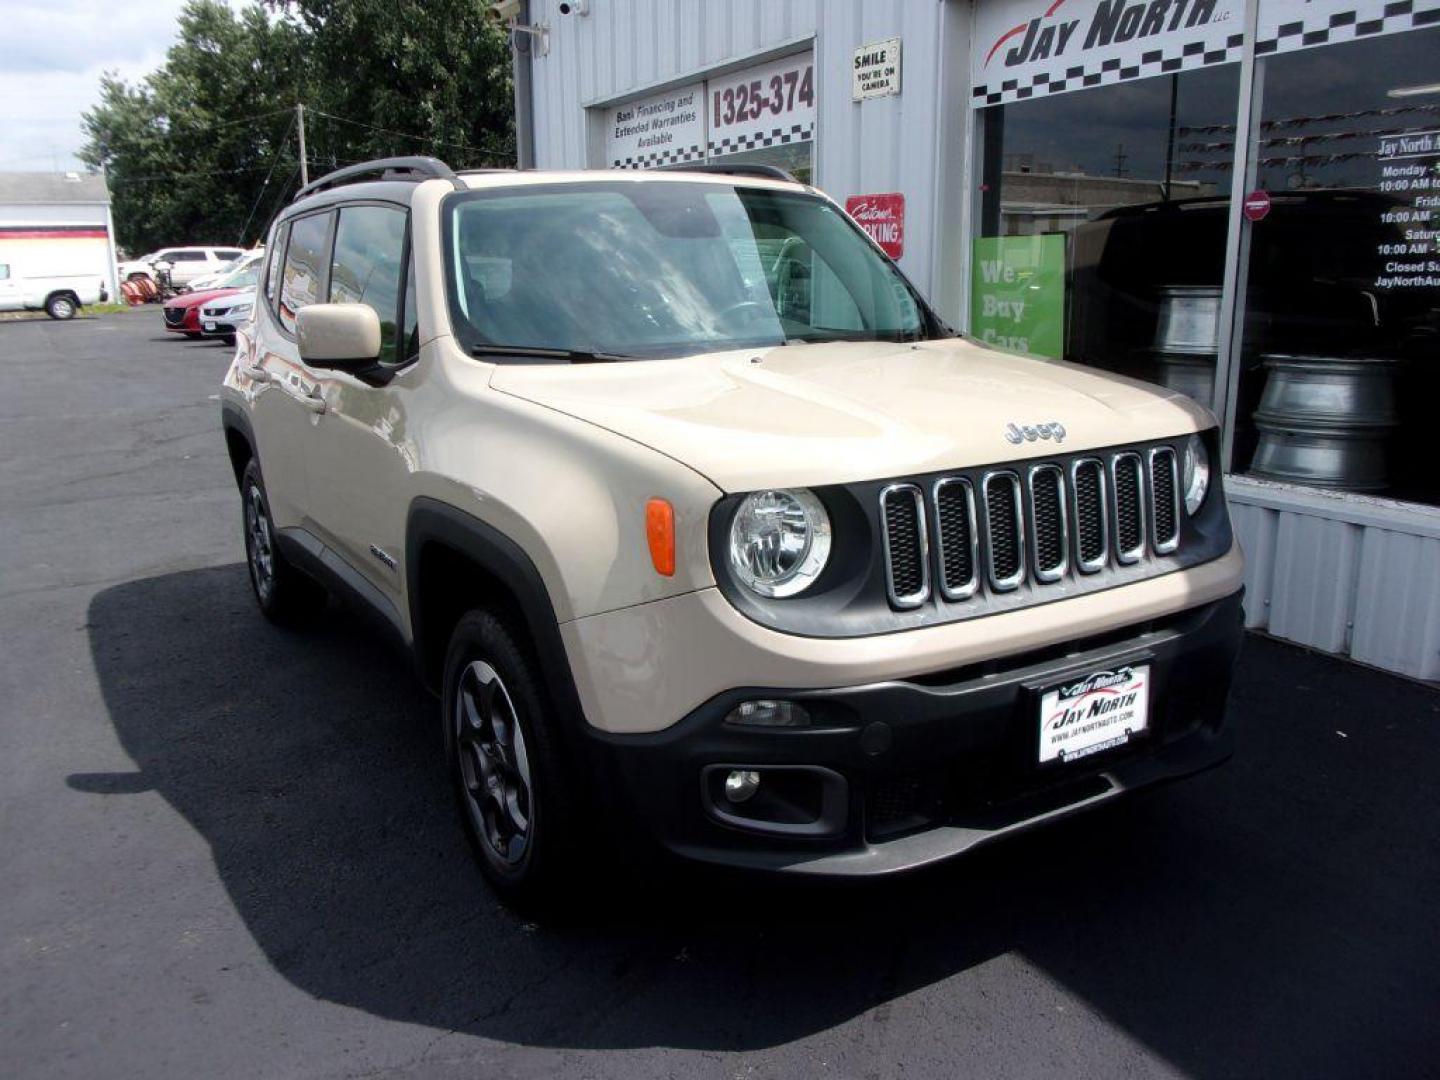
(361, 451)
(286, 405)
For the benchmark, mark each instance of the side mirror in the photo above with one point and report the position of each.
(343, 336)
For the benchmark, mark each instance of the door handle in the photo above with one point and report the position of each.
(313, 400)
(256, 374)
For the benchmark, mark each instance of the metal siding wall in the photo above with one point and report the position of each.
(884, 144)
(1313, 584)
(1255, 529)
(1360, 589)
(888, 143)
(1402, 633)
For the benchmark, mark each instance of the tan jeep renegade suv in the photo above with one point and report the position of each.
(698, 519)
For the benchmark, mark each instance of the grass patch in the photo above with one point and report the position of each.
(88, 309)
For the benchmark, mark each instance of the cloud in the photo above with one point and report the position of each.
(55, 53)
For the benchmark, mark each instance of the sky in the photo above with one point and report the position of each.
(52, 54)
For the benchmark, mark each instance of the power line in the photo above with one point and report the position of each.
(279, 149)
(404, 134)
(113, 179)
(247, 119)
(284, 196)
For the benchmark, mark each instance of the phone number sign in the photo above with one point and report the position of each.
(769, 105)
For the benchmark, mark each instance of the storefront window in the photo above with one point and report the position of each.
(1102, 225)
(1340, 362)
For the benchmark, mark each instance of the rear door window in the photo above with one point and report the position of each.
(303, 279)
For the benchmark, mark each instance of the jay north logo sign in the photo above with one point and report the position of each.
(1113, 22)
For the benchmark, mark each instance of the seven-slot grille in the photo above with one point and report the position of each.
(1035, 521)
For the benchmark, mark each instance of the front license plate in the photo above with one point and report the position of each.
(1100, 711)
(209, 325)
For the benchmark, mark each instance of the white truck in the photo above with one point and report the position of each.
(59, 295)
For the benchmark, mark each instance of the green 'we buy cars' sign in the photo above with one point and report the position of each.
(1017, 293)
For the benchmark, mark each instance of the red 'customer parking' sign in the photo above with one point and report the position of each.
(883, 217)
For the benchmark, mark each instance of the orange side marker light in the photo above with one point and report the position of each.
(660, 532)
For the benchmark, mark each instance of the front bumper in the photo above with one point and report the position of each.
(189, 323)
(916, 770)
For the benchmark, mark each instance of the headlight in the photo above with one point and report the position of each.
(240, 311)
(779, 541)
(1195, 474)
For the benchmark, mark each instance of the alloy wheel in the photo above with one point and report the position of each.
(494, 765)
(258, 544)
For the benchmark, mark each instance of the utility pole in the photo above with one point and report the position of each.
(300, 124)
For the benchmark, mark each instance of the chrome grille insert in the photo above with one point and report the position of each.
(1004, 533)
(1092, 515)
(907, 553)
(1164, 500)
(1045, 522)
(1128, 519)
(957, 540)
(1049, 530)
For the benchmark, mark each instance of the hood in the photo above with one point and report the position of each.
(192, 299)
(807, 415)
(230, 297)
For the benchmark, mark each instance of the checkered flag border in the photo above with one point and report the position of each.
(1194, 54)
(674, 155)
(1321, 29)
(755, 140)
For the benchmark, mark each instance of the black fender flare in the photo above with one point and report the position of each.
(501, 558)
(234, 419)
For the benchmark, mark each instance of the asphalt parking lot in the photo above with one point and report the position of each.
(226, 849)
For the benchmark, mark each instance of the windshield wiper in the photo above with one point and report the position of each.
(575, 356)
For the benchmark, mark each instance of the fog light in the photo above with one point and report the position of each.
(741, 784)
(769, 714)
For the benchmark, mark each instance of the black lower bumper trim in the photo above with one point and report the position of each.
(936, 765)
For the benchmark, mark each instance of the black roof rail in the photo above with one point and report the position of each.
(767, 172)
(395, 168)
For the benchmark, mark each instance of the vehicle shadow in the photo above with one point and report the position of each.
(1274, 917)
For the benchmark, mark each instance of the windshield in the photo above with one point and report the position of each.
(666, 268)
(244, 278)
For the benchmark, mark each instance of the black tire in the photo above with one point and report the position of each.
(229, 339)
(193, 335)
(61, 306)
(492, 683)
(285, 595)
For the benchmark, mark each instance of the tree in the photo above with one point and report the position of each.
(408, 77)
(203, 149)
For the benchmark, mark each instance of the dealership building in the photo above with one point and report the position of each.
(1238, 199)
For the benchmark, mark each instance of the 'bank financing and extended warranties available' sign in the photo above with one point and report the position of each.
(1029, 48)
(665, 129)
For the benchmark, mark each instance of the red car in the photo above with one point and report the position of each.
(182, 314)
